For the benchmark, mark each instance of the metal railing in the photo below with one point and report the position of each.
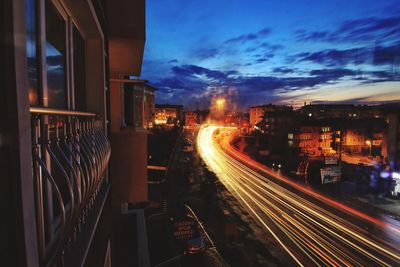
(70, 153)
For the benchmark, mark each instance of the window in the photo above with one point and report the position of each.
(55, 57)
(31, 52)
(128, 105)
(79, 70)
(133, 105)
(53, 85)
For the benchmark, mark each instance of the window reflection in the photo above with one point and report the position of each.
(55, 57)
(79, 70)
(133, 105)
(31, 52)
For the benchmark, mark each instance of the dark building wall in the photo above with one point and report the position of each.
(17, 230)
(393, 142)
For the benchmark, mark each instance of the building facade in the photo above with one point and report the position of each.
(343, 111)
(256, 113)
(62, 62)
(169, 114)
(393, 140)
(191, 118)
(315, 141)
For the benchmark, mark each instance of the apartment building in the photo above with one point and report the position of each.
(257, 112)
(393, 140)
(63, 65)
(169, 114)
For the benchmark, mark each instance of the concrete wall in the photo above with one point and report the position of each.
(129, 155)
(128, 167)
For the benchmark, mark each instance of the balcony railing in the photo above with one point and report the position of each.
(70, 153)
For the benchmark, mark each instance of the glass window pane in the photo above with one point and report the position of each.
(79, 70)
(129, 105)
(133, 105)
(31, 52)
(55, 57)
(138, 106)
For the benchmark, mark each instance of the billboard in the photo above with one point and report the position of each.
(184, 230)
(331, 174)
(331, 160)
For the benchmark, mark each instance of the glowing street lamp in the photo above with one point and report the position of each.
(369, 143)
(220, 105)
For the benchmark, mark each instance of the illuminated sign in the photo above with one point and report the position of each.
(184, 230)
(331, 160)
(331, 174)
(395, 175)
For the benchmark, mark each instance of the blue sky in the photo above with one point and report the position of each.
(285, 52)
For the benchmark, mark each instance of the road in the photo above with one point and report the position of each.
(313, 229)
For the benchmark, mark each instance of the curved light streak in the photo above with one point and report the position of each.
(311, 228)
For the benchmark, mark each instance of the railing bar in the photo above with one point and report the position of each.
(87, 167)
(66, 178)
(75, 183)
(39, 190)
(87, 154)
(53, 111)
(83, 173)
(79, 150)
(59, 199)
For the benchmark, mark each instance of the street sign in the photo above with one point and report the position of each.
(376, 142)
(184, 230)
(331, 160)
(331, 174)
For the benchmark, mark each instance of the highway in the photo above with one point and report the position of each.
(312, 229)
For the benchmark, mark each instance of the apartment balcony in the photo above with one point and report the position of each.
(70, 155)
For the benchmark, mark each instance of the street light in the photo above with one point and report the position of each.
(369, 143)
(220, 104)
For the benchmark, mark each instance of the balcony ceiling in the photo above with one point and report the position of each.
(127, 35)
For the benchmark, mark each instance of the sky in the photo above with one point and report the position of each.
(273, 51)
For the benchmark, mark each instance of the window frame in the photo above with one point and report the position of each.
(70, 24)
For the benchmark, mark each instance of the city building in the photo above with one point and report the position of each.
(393, 140)
(191, 118)
(202, 116)
(149, 106)
(169, 114)
(364, 137)
(257, 112)
(63, 66)
(275, 126)
(353, 139)
(330, 111)
(343, 111)
(315, 140)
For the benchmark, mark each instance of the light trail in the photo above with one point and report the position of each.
(311, 228)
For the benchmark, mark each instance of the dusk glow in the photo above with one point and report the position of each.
(273, 51)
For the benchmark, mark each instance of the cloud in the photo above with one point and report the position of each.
(379, 55)
(191, 70)
(264, 47)
(170, 83)
(195, 85)
(173, 61)
(264, 58)
(55, 61)
(335, 57)
(283, 70)
(386, 55)
(205, 53)
(332, 74)
(272, 47)
(249, 36)
(226, 47)
(383, 29)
